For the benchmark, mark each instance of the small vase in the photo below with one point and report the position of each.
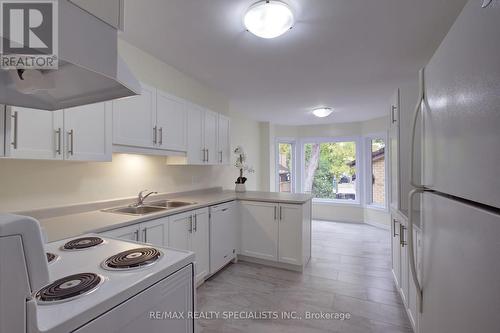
(240, 188)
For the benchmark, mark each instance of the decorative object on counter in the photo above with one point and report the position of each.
(241, 164)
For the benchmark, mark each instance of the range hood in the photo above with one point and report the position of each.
(90, 69)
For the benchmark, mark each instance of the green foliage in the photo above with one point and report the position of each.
(333, 164)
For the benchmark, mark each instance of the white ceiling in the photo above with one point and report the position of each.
(346, 54)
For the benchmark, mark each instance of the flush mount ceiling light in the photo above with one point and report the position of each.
(269, 19)
(322, 112)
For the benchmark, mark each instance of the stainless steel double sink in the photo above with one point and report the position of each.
(149, 208)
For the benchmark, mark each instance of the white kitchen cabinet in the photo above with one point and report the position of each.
(109, 11)
(171, 122)
(210, 137)
(190, 231)
(396, 250)
(154, 232)
(276, 232)
(131, 233)
(413, 305)
(134, 119)
(223, 140)
(196, 150)
(290, 234)
(79, 134)
(34, 134)
(224, 232)
(200, 243)
(259, 230)
(88, 132)
(394, 116)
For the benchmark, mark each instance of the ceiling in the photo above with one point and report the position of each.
(346, 54)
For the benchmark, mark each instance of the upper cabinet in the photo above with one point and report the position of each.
(210, 136)
(224, 140)
(109, 11)
(394, 141)
(80, 134)
(134, 119)
(153, 122)
(171, 122)
(195, 133)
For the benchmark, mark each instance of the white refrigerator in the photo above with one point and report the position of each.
(459, 188)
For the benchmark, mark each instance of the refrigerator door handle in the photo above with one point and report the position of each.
(418, 108)
(411, 252)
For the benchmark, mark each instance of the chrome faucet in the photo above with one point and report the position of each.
(141, 197)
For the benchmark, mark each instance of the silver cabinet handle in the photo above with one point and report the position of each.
(411, 252)
(208, 155)
(393, 114)
(421, 98)
(221, 156)
(71, 136)
(402, 229)
(155, 134)
(204, 155)
(195, 222)
(281, 213)
(275, 212)
(136, 235)
(190, 224)
(223, 210)
(58, 144)
(15, 116)
(161, 136)
(145, 234)
(394, 234)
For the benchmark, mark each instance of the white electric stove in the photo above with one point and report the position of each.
(90, 283)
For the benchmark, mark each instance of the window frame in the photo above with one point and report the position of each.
(359, 171)
(294, 173)
(368, 188)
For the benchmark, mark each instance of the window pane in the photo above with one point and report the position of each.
(378, 172)
(285, 167)
(330, 170)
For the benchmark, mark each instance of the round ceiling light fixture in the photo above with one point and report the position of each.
(322, 112)
(269, 19)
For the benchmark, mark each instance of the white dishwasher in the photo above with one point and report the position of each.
(223, 235)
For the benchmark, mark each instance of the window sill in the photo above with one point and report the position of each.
(378, 207)
(334, 202)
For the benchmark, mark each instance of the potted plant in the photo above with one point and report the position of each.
(242, 166)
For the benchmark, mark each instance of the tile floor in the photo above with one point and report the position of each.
(349, 272)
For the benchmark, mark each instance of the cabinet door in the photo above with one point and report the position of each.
(413, 310)
(223, 140)
(34, 134)
(125, 233)
(180, 230)
(88, 132)
(195, 153)
(394, 149)
(259, 230)
(134, 119)
(290, 234)
(210, 137)
(171, 121)
(404, 263)
(155, 232)
(396, 251)
(223, 235)
(200, 243)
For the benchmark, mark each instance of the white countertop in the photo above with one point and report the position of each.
(64, 222)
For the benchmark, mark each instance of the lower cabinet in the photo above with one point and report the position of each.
(190, 231)
(223, 235)
(401, 264)
(154, 232)
(276, 232)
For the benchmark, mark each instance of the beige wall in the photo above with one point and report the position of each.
(26, 184)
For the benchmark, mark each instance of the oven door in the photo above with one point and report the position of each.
(163, 307)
